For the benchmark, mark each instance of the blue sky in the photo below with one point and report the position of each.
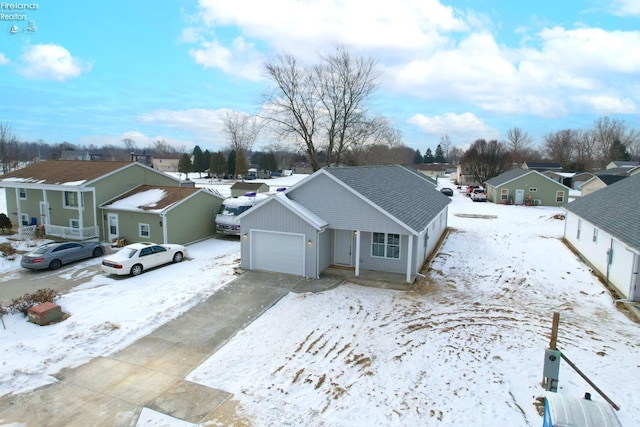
(100, 72)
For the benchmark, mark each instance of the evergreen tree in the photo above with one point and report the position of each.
(184, 165)
(231, 163)
(428, 156)
(417, 158)
(5, 222)
(439, 158)
(241, 163)
(618, 151)
(218, 164)
(197, 160)
(206, 160)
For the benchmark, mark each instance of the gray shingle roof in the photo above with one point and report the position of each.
(614, 209)
(507, 176)
(405, 194)
(610, 179)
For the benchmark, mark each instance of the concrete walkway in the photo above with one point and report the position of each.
(112, 390)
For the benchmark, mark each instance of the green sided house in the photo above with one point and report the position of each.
(526, 187)
(161, 214)
(62, 197)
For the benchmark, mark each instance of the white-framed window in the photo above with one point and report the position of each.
(559, 196)
(533, 190)
(70, 199)
(22, 193)
(504, 194)
(75, 225)
(144, 230)
(595, 235)
(579, 229)
(24, 219)
(385, 245)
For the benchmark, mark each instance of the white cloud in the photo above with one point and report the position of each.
(431, 51)
(460, 127)
(204, 125)
(625, 7)
(240, 59)
(607, 105)
(3, 59)
(51, 62)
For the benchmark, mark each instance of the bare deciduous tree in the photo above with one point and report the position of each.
(345, 83)
(519, 143)
(445, 144)
(8, 147)
(484, 160)
(322, 108)
(607, 131)
(129, 144)
(560, 146)
(242, 129)
(292, 104)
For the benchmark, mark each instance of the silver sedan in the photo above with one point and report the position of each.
(53, 255)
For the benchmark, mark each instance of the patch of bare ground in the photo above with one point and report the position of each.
(479, 216)
(230, 414)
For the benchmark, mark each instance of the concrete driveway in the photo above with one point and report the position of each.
(112, 390)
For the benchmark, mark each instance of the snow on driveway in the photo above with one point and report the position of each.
(464, 348)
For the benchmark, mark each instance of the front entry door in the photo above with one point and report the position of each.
(343, 247)
(519, 197)
(112, 224)
(636, 273)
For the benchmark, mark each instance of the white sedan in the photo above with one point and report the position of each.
(135, 258)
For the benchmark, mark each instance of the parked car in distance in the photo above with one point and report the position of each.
(54, 255)
(135, 258)
(447, 191)
(472, 188)
(479, 197)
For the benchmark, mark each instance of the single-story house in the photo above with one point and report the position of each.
(433, 170)
(62, 196)
(240, 188)
(161, 214)
(604, 228)
(542, 166)
(571, 179)
(622, 164)
(597, 182)
(526, 186)
(382, 218)
(166, 162)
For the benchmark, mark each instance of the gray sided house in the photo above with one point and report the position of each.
(604, 228)
(241, 188)
(383, 218)
(61, 197)
(161, 214)
(526, 186)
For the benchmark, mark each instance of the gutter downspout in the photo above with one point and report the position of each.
(634, 276)
(165, 236)
(609, 259)
(317, 252)
(358, 233)
(409, 257)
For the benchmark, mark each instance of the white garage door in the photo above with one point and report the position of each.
(281, 252)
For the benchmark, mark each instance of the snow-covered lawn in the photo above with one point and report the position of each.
(465, 348)
(108, 313)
